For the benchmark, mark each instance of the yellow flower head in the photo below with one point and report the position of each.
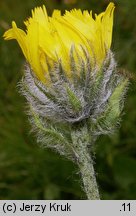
(48, 40)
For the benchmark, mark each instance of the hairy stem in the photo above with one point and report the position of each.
(86, 168)
(81, 140)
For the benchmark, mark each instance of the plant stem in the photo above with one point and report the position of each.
(81, 141)
(86, 168)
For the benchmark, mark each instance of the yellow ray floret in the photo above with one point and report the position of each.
(52, 38)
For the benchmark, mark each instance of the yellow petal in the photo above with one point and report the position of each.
(56, 14)
(107, 24)
(40, 15)
(19, 35)
(33, 46)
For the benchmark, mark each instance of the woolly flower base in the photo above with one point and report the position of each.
(70, 114)
(93, 98)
